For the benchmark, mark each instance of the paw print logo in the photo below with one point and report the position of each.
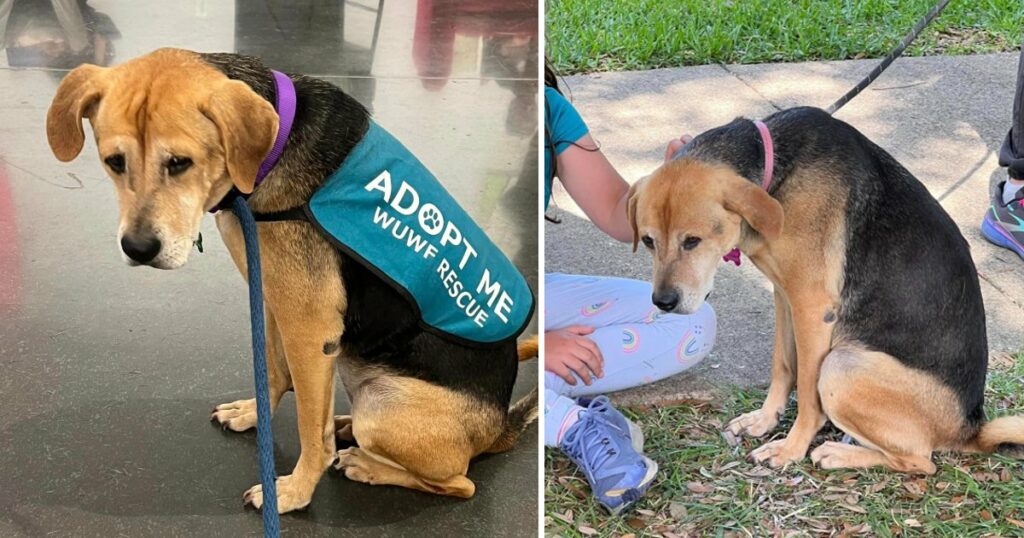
(431, 219)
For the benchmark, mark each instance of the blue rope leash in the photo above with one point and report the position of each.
(264, 434)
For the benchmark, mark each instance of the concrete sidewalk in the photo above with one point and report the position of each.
(942, 117)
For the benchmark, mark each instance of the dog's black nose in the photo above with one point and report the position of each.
(666, 300)
(141, 248)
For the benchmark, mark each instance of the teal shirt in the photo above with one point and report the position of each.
(562, 127)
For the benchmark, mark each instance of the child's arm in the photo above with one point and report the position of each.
(595, 185)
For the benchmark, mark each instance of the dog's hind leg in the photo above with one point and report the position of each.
(343, 428)
(758, 423)
(418, 435)
(240, 415)
(898, 415)
(363, 466)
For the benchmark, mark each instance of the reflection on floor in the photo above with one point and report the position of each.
(110, 372)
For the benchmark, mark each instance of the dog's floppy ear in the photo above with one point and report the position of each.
(634, 195)
(76, 99)
(248, 127)
(762, 212)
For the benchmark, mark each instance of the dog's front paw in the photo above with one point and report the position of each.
(289, 496)
(753, 424)
(778, 453)
(236, 416)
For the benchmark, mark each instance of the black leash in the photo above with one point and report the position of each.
(877, 71)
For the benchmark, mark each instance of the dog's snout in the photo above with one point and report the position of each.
(141, 248)
(665, 300)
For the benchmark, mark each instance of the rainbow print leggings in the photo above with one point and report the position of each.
(639, 343)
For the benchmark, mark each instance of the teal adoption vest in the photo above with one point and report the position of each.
(386, 210)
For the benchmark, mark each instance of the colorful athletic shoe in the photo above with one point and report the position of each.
(1004, 223)
(601, 405)
(618, 474)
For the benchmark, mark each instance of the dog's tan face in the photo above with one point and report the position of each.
(174, 135)
(688, 214)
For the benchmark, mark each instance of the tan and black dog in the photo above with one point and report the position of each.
(176, 131)
(879, 320)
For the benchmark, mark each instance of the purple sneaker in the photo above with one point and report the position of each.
(618, 475)
(1004, 223)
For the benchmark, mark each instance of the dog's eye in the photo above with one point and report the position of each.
(648, 242)
(691, 243)
(116, 163)
(177, 165)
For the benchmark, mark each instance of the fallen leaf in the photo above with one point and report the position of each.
(911, 522)
(986, 515)
(855, 529)
(942, 486)
(677, 510)
(1015, 522)
(577, 492)
(854, 508)
(759, 472)
(586, 530)
(645, 512)
(636, 523)
(728, 466)
(1001, 360)
(699, 487)
(878, 486)
(913, 488)
(1004, 475)
(566, 517)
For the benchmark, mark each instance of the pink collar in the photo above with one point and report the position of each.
(769, 153)
(769, 169)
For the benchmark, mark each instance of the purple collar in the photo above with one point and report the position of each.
(285, 107)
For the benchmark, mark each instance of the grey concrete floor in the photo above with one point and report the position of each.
(110, 372)
(942, 117)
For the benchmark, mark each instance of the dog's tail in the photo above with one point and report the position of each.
(1001, 433)
(528, 348)
(520, 415)
(524, 411)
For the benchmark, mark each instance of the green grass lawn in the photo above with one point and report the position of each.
(610, 35)
(707, 488)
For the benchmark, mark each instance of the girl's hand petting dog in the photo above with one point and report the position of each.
(676, 145)
(569, 350)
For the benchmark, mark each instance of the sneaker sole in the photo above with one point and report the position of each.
(999, 237)
(652, 471)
